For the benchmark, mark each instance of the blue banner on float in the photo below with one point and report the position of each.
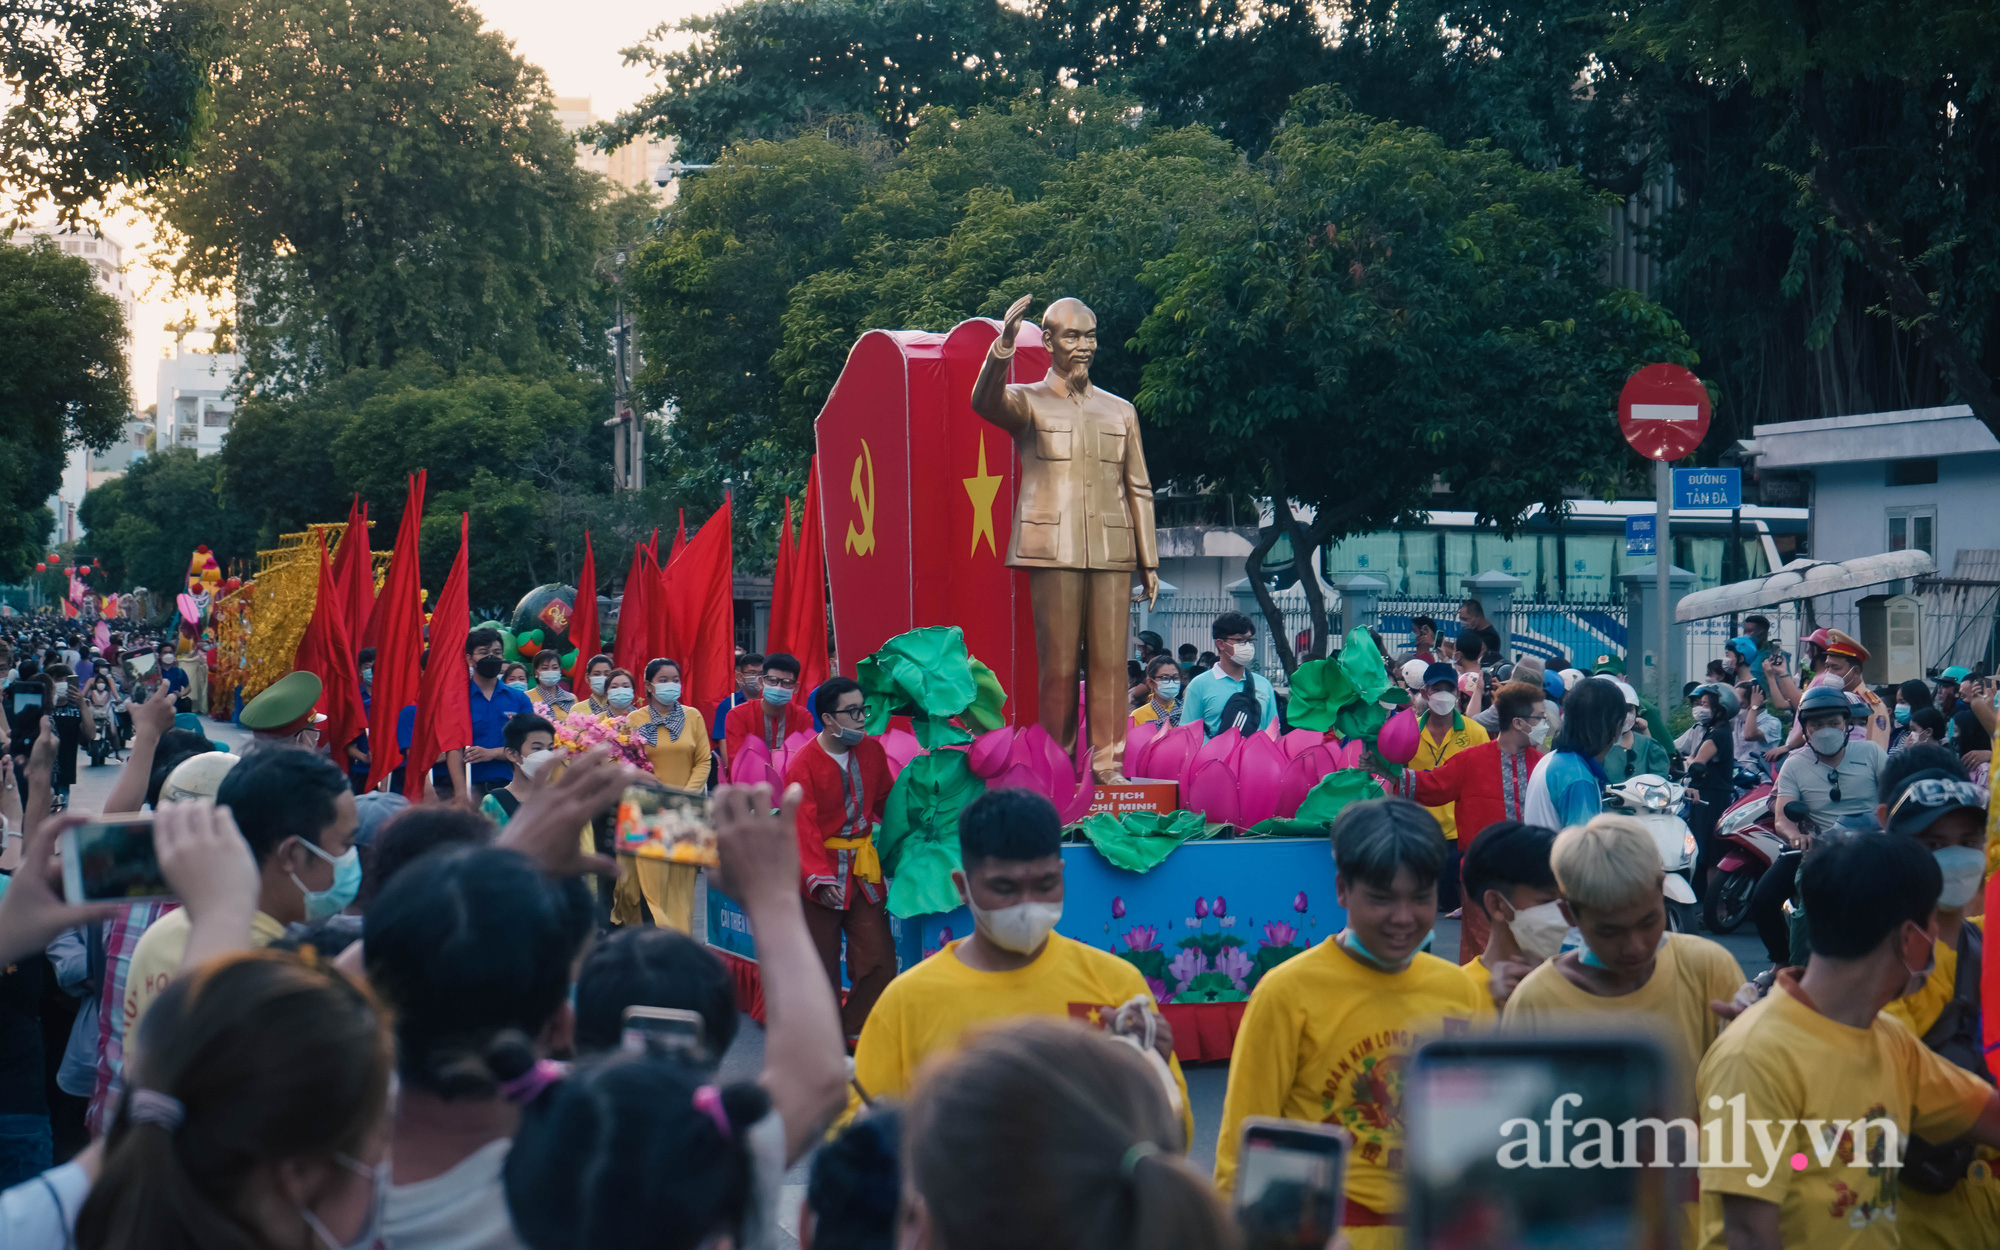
(1203, 927)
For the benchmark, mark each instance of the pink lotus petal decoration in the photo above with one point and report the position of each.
(1211, 785)
(901, 746)
(1137, 737)
(1260, 762)
(1029, 759)
(1299, 741)
(1166, 756)
(1396, 742)
(1301, 774)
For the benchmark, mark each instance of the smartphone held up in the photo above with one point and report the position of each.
(659, 822)
(113, 860)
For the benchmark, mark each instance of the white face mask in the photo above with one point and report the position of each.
(549, 676)
(1021, 928)
(1919, 977)
(535, 761)
(62, 689)
(1443, 703)
(1828, 741)
(1245, 652)
(1703, 715)
(1539, 929)
(667, 691)
(1631, 719)
(621, 697)
(597, 683)
(1963, 869)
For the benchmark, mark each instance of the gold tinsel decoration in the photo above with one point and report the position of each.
(284, 593)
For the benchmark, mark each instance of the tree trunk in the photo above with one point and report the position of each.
(1253, 568)
(1882, 257)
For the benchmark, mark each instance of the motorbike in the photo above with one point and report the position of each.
(1747, 845)
(1661, 806)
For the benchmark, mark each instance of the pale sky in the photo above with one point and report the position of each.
(576, 42)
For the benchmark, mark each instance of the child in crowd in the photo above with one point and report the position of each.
(528, 743)
(1320, 1023)
(1509, 881)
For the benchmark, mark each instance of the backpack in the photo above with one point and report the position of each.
(1243, 712)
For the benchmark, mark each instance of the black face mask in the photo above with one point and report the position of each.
(489, 666)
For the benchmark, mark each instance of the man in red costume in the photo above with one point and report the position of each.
(1486, 782)
(776, 716)
(845, 776)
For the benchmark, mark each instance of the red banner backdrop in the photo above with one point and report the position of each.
(916, 501)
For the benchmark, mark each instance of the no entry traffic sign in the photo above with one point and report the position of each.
(1663, 412)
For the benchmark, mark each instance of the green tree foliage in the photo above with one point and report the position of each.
(143, 527)
(383, 177)
(105, 92)
(63, 384)
(762, 70)
(1394, 313)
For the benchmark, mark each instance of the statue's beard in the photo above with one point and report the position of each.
(1077, 375)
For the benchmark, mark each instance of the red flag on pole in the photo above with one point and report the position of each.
(704, 593)
(806, 630)
(628, 649)
(666, 635)
(444, 717)
(398, 627)
(583, 628)
(680, 536)
(325, 652)
(354, 573)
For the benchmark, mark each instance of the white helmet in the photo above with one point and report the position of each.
(1631, 695)
(198, 776)
(1413, 674)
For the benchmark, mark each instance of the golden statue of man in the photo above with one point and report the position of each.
(1083, 523)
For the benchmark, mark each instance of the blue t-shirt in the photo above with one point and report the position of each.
(1564, 790)
(1205, 696)
(489, 726)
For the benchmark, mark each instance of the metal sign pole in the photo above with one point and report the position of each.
(1663, 549)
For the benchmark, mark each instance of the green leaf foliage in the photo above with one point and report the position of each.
(1141, 841)
(918, 837)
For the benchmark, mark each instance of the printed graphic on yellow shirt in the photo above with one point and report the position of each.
(1364, 1094)
(1850, 1206)
(1096, 1015)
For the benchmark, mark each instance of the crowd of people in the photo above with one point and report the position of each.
(448, 1019)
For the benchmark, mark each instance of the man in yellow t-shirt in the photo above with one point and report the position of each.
(1630, 973)
(1326, 1034)
(1508, 879)
(296, 810)
(1014, 963)
(1822, 1088)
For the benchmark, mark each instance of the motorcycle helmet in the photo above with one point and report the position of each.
(1822, 699)
(1725, 697)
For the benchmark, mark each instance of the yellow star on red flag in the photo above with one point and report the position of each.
(983, 488)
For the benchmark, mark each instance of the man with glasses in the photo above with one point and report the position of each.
(845, 778)
(1204, 698)
(1837, 778)
(776, 715)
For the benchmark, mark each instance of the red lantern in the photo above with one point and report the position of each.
(54, 558)
(42, 568)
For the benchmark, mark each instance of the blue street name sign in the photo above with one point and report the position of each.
(1708, 489)
(1638, 535)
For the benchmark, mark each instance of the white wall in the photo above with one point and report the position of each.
(193, 411)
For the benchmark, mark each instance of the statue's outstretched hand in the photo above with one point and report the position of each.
(1015, 311)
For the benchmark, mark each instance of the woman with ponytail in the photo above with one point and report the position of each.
(259, 1119)
(1049, 1135)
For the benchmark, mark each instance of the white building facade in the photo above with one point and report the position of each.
(194, 405)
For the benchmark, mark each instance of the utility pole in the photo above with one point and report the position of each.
(628, 444)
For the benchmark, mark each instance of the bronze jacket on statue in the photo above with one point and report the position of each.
(1085, 500)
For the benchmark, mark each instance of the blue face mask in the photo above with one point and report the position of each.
(1353, 946)
(1902, 713)
(331, 901)
(1170, 690)
(521, 686)
(621, 696)
(777, 695)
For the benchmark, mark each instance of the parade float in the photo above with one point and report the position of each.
(1205, 865)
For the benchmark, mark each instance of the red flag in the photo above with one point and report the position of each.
(444, 717)
(583, 626)
(653, 544)
(628, 649)
(777, 636)
(326, 653)
(666, 631)
(680, 536)
(704, 593)
(354, 572)
(806, 630)
(398, 626)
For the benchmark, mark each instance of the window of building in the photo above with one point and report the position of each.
(214, 417)
(1922, 472)
(1913, 529)
(90, 247)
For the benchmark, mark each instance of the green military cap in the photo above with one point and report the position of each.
(1608, 664)
(287, 701)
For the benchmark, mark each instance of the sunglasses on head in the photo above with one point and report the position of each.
(1940, 792)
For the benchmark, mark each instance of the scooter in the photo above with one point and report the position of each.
(1661, 806)
(1747, 844)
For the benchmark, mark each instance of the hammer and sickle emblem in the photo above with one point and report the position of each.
(862, 488)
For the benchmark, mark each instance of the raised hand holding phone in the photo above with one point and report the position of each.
(210, 868)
